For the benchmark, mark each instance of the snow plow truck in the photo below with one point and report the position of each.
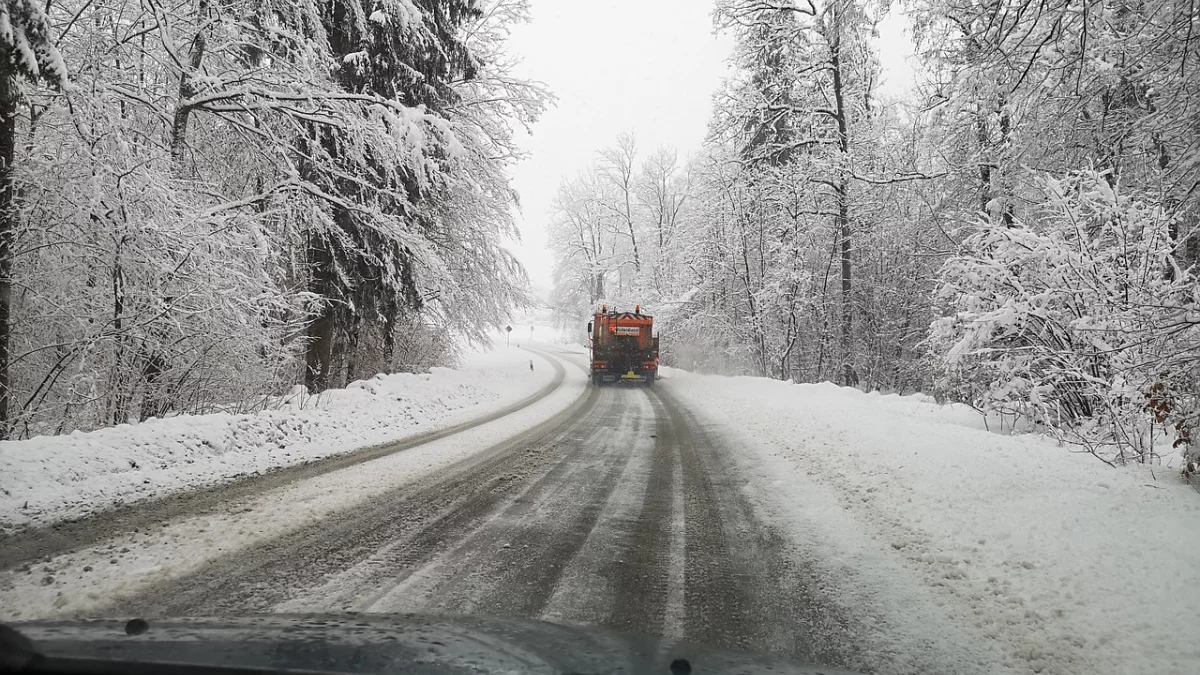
(624, 348)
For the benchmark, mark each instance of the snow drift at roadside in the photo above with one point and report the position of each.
(47, 479)
(1054, 559)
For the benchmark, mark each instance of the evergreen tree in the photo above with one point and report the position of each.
(360, 257)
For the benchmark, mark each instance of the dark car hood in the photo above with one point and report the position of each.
(366, 644)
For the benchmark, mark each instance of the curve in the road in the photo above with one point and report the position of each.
(426, 515)
(30, 544)
(623, 511)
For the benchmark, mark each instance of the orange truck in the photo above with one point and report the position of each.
(624, 348)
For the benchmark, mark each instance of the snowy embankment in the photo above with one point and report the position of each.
(952, 539)
(49, 479)
(95, 578)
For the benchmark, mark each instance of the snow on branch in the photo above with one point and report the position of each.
(1072, 320)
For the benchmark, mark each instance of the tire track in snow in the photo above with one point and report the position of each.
(742, 590)
(513, 564)
(590, 589)
(648, 597)
(254, 579)
(389, 578)
(717, 609)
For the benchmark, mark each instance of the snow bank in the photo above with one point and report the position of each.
(93, 579)
(47, 479)
(1050, 559)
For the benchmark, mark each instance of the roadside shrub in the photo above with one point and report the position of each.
(1077, 317)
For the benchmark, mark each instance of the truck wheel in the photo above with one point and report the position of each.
(650, 381)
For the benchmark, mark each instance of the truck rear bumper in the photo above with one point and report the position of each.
(629, 377)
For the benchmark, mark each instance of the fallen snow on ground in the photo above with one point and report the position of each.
(1050, 560)
(52, 478)
(82, 582)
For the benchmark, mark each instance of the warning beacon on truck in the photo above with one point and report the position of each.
(624, 348)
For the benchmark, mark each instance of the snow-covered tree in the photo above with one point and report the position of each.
(803, 97)
(1100, 91)
(239, 186)
(1078, 317)
(583, 243)
(28, 55)
(756, 272)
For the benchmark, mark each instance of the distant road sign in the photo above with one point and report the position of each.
(508, 329)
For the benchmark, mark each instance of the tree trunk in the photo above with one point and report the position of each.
(349, 347)
(8, 229)
(157, 400)
(390, 314)
(990, 167)
(760, 343)
(1006, 212)
(319, 354)
(121, 383)
(985, 163)
(849, 377)
(637, 259)
(598, 286)
(187, 89)
(842, 220)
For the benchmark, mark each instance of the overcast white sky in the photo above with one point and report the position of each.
(645, 66)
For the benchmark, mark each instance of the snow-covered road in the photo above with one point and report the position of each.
(724, 511)
(619, 510)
